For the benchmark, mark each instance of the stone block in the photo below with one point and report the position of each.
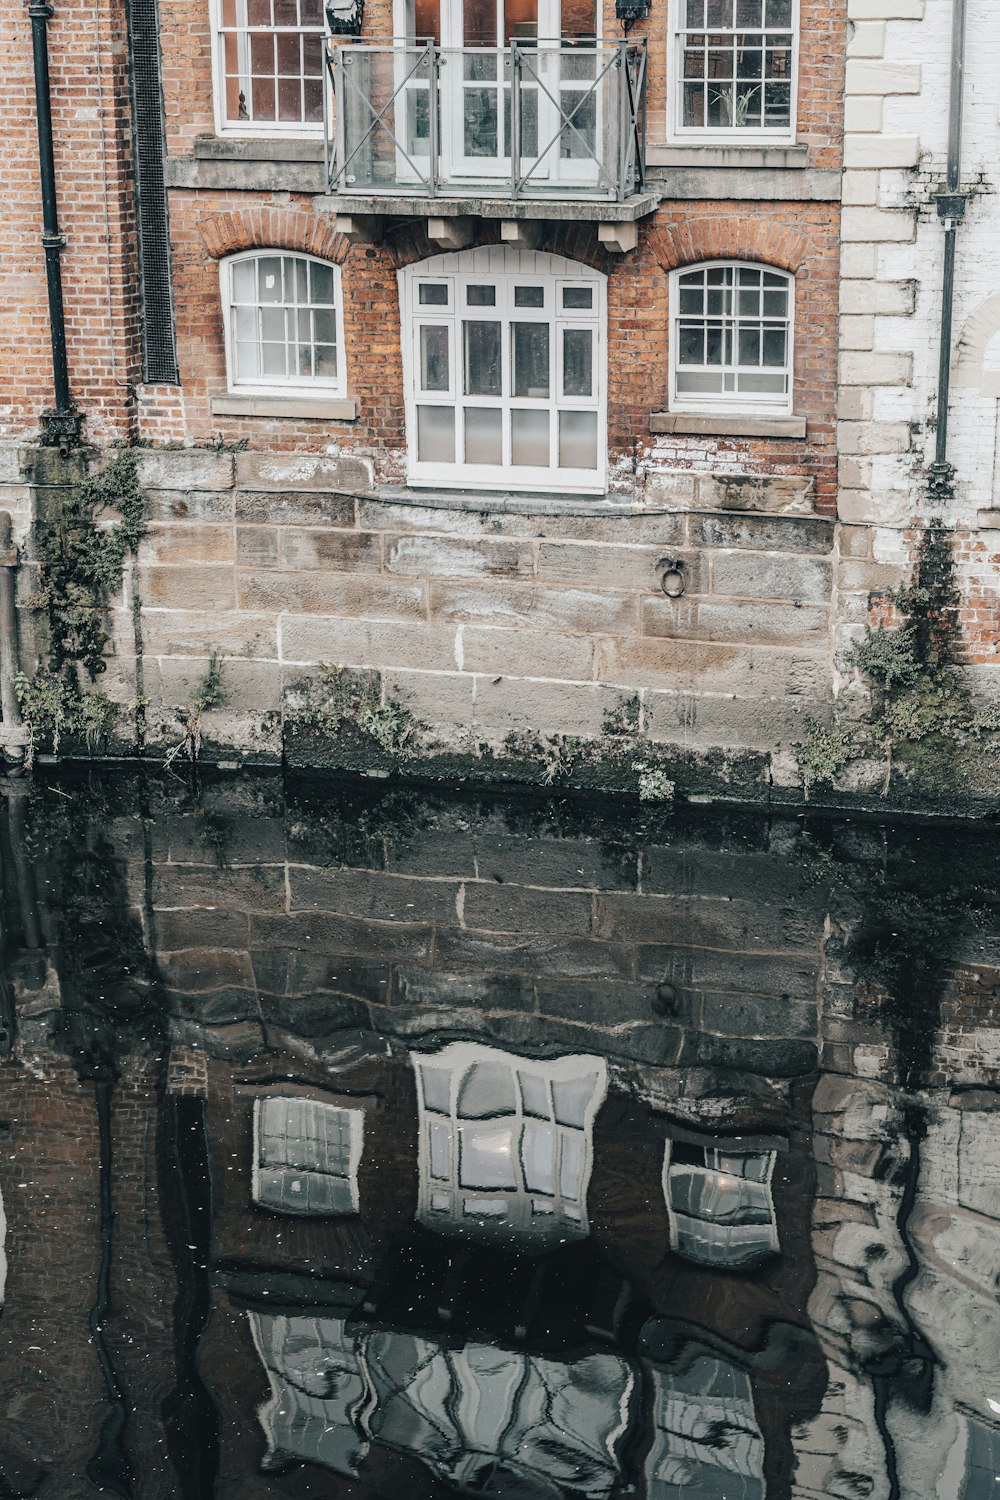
(772, 494)
(554, 862)
(184, 469)
(879, 367)
(631, 568)
(873, 437)
(551, 954)
(489, 907)
(866, 39)
(412, 985)
(886, 10)
(334, 933)
(881, 151)
(177, 681)
(766, 576)
(365, 893)
(295, 508)
(340, 551)
(743, 622)
(691, 720)
(765, 533)
(699, 667)
(439, 700)
(604, 1003)
(12, 463)
(457, 557)
(861, 189)
(503, 603)
(527, 653)
(855, 403)
(861, 576)
(211, 587)
(894, 299)
(857, 332)
(858, 261)
(863, 112)
(510, 705)
(239, 889)
(774, 879)
(190, 505)
(304, 471)
(178, 632)
(874, 76)
(368, 643)
(330, 593)
(757, 1016)
(188, 542)
(765, 1059)
(782, 976)
(257, 546)
(878, 225)
(854, 473)
(670, 487)
(737, 924)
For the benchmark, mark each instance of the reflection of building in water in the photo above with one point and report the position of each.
(318, 1392)
(719, 1200)
(306, 1156)
(706, 1440)
(506, 1143)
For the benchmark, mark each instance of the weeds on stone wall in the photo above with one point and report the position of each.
(82, 548)
(922, 711)
(208, 694)
(338, 700)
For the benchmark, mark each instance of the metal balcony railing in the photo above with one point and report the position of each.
(533, 120)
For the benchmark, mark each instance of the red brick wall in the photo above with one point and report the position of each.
(206, 226)
(90, 113)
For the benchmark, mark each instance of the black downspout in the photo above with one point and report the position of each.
(62, 424)
(951, 206)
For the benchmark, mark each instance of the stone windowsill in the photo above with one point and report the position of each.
(487, 503)
(766, 156)
(323, 408)
(726, 424)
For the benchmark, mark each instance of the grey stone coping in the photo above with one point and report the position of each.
(692, 180)
(335, 408)
(513, 504)
(395, 204)
(259, 148)
(726, 424)
(244, 176)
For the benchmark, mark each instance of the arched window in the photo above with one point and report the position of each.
(504, 354)
(284, 322)
(731, 338)
(719, 1204)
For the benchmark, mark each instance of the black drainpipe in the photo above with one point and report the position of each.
(61, 425)
(951, 206)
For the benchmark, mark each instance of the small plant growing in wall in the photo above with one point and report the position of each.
(207, 695)
(83, 544)
(337, 700)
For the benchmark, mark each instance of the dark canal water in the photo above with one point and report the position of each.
(360, 1142)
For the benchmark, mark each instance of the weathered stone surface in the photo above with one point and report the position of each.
(504, 603)
(771, 577)
(527, 653)
(511, 908)
(332, 933)
(697, 667)
(418, 986)
(247, 888)
(188, 542)
(330, 594)
(303, 471)
(185, 469)
(772, 1058)
(567, 956)
(294, 508)
(190, 505)
(631, 568)
(211, 587)
(368, 643)
(385, 897)
(340, 551)
(743, 621)
(457, 557)
(687, 922)
(767, 533)
(757, 1016)
(768, 493)
(511, 705)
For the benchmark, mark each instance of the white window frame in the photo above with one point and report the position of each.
(506, 267)
(355, 1123)
(747, 135)
(505, 1215)
(730, 401)
(276, 384)
(767, 1232)
(295, 129)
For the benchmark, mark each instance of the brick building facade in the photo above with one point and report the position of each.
(482, 531)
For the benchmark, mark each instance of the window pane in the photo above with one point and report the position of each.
(529, 436)
(486, 1156)
(435, 434)
(270, 278)
(434, 359)
(481, 296)
(571, 1166)
(488, 1088)
(534, 1094)
(578, 297)
(483, 435)
(247, 361)
(578, 362)
(433, 296)
(538, 1146)
(578, 440)
(273, 359)
(272, 324)
(245, 322)
(774, 346)
(325, 361)
(482, 359)
(325, 325)
(529, 296)
(244, 281)
(572, 1098)
(531, 359)
(440, 1139)
(321, 278)
(480, 122)
(437, 1088)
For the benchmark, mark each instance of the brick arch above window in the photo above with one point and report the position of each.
(271, 229)
(717, 238)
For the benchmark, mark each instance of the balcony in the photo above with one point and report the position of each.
(528, 131)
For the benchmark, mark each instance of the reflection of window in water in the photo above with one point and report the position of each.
(505, 1142)
(707, 1445)
(317, 1392)
(306, 1156)
(497, 1422)
(477, 1416)
(3, 1253)
(719, 1202)
(982, 1463)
